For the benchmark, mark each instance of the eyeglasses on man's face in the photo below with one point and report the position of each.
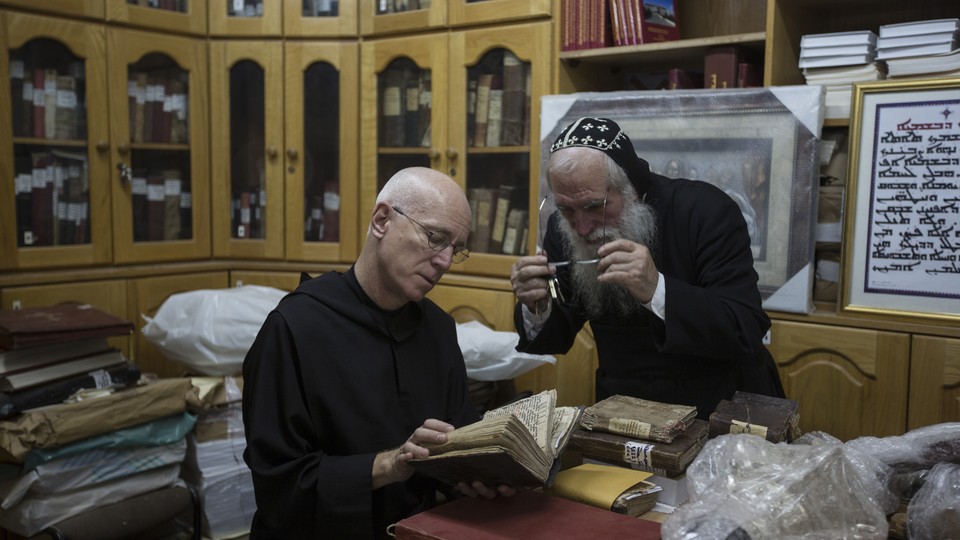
(439, 240)
(593, 206)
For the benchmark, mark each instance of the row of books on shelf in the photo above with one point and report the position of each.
(498, 105)
(320, 8)
(245, 8)
(727, 66)
(162, 205)
(406, 108)
(399, 6)
(158, 108)
(322, 223)
(591, 24)
(52, 198)
(500, 219)
(47, 103)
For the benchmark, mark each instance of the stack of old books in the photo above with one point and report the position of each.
(48, 354)
(645, 435)
(921, 49)
(214, 463)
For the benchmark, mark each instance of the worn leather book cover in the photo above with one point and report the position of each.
(639, 418)
(665, 459)
(58, 324)
(774, 419)
(529, 515)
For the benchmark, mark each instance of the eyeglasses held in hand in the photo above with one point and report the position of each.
(439, 240)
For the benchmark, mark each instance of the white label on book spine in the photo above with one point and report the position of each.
(101, 378)
(737, 427)
(637, 453)
(630, 427)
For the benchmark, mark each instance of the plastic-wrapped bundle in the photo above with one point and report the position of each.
(919, 449)
(744, 487)
(934, 512)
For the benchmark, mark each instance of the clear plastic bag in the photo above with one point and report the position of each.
(743, 486)
(934, 512)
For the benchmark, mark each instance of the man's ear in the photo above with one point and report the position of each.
(379, 219)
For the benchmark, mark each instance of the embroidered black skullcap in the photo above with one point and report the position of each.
(606, 135)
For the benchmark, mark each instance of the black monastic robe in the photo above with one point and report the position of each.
(711, 342)
(331, 380)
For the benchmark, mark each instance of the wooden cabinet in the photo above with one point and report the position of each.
(245, 17)
(285, 180)
(849, 381)
(380, 18)
(55, 165)
(443, 71)
(176, 16)
(94, 9)
(934, 381)
(320, 18)
(159, 146)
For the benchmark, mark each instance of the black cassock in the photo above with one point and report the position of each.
(711, 342)
(330, 381)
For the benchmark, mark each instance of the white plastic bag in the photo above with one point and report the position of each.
(210, 330)
(491, 355)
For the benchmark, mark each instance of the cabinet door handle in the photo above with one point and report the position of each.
(103, 146)
(124, 148)
(292, 153)
(434, 154)
(272, 153)
(452, 153)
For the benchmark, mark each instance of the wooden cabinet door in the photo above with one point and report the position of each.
(934, 381)
(144, 298)
(246, 18)
(85, 8)
(850, 382)
(464, 12)
(389, 68)
(319, 155)
(160, 174)
(380, 18)
(246, 82)
(54, 163)
(498, 163)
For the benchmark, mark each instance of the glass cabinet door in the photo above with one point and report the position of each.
(245, 17)
(174, 15)
(247, 170)
(320, 18)
(83, 8)
(159, 134)
(321, 145)
(497, 78)
(404, 91)
(381, 17)
(55, 197)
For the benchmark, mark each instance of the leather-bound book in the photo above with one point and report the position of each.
(640, 418)
(774, 419)
(29, 327)
(514, 97)
(530, 515)
(666, 459)
(720, 66)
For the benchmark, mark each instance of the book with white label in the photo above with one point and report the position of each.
(26, 379)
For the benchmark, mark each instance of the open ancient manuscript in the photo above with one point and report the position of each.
(518, 444)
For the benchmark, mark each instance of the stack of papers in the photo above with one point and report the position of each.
(921, 49)
(838, 49)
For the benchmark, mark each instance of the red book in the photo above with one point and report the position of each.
(749, 75)
(39, 109)
(656, 20)
(720, 66)
(529, 515)
(30, 327)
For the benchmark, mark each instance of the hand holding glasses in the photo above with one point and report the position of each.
(553, 284)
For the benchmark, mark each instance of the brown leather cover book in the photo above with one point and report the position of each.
(720, 66)
(669, 460)
(484, 216)
(530, 515)
(774, 419)
(30, 327)
(484, 82)
(39, 110)
(640, 418)
(514, 80)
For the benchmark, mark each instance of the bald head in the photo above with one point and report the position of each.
(422, 189)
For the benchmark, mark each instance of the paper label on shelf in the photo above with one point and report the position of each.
(16, 69)
(638, 453)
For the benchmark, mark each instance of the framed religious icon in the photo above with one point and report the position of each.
(759, 145)
(901, 257)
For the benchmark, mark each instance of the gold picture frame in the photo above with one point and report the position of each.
(901, 255)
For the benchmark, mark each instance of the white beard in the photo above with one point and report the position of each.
(638, 223)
